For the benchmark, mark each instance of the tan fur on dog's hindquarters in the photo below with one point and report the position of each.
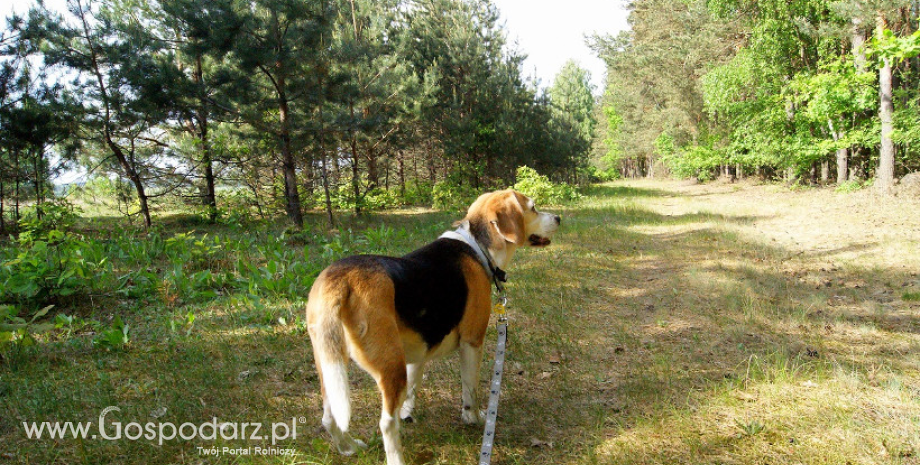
(393, 315)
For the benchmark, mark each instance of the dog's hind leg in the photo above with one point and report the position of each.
(378, 351)
(389, 370)
(392, 387)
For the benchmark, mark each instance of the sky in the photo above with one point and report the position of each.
(550, 32)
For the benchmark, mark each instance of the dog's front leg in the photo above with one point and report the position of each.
(414, 376)
(470, 358)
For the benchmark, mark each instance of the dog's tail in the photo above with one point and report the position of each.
(330, 350)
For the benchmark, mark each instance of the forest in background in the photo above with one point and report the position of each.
(273, 106)
(817, 91)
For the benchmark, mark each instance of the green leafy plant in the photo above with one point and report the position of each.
(17, 333)
(57, 214)
(116, 337)
(751, 428)
(450, 194)
(185, 323)
(542, 190)
(50, 265)
(852, 185)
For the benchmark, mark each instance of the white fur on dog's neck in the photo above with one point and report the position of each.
(463, 234)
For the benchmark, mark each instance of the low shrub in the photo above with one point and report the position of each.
(47, 266)
(542, 190)
(450, 194)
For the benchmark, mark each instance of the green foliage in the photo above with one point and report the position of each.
(54, 215)
(452, 194)
(782, 85)
(752, 428)
(16, 333)
(694, 161)
(418, 193)
(595, 174)
(572, 100)
(852, 185)
(114, 338)
(343, 198)
(890, 46)
(542, 190)
(98, 187)
(182, 322)
(48, 266)
(610, 134)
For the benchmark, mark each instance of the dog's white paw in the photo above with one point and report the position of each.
(351, 448)
(405, 414)
(473, 417)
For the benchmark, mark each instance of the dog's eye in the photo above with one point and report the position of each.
(533, 208)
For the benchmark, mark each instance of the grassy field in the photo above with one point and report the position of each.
(668, 323)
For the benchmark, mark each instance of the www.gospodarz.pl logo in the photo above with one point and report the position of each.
(163, 431)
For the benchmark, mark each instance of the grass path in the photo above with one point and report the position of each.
(730, 324)
(668, 323)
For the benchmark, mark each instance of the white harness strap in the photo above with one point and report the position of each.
(463, 234)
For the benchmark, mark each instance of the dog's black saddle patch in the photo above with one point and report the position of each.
(431, 291)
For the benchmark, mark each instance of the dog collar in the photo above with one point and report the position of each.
(463, 234)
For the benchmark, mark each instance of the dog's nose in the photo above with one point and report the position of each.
(558, 219)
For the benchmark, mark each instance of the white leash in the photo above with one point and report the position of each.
(488, 436)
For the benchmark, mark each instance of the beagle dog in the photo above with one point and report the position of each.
(393, 315)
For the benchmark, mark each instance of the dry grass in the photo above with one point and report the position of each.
(668, 323)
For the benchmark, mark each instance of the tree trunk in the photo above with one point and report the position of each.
(885, 175)
(842, 155)
(211, 194)
(432, 169)
(37, 183)
(402, 175)
(2, 218)
(126, 165)
(210, 199)
(322, 154)
(386, 174)
(842, 159)
(857, 39)
(142, 199)
(825, 171)
(288, 165)
(373, 170)
(16, 184)
(355, 173)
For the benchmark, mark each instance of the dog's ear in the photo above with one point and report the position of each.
(509, 219)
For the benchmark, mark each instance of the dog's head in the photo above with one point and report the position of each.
(509, 218)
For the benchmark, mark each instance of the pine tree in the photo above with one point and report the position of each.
(277, 55)
(120, 81)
